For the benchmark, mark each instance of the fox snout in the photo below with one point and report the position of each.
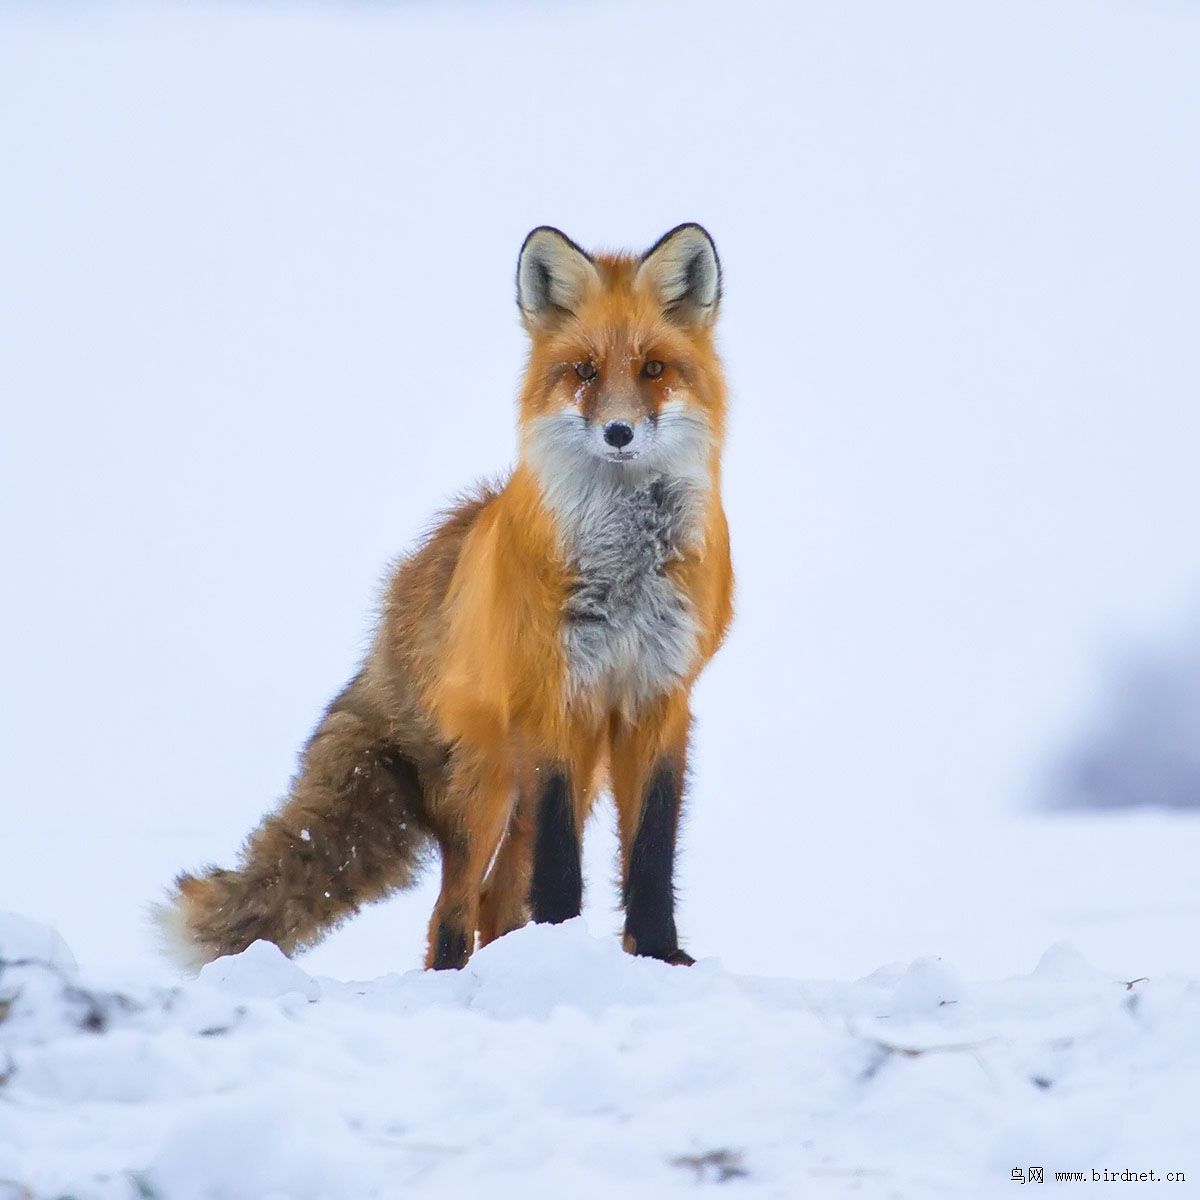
(621, 438)
(618, 434)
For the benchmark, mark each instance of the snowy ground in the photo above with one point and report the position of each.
(556, 1065)
(256, 324)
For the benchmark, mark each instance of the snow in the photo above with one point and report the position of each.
(261, 970)
(554, 1062)
(257, 325)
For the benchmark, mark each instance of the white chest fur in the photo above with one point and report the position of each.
(629, 631)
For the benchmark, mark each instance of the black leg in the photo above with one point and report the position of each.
(556, 890)
(450, 951)
(649, 887)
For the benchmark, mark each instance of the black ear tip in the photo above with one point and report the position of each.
(554, 232)
(686, 227)
(541, 229)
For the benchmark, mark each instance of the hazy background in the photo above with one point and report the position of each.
(257, 325)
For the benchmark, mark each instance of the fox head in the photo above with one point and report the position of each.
(623, 377)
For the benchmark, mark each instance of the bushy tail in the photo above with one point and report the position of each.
(349, 833)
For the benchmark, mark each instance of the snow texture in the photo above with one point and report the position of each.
(555, 1064)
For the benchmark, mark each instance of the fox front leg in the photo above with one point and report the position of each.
(556, 882)
(563, 791)
(648, 765)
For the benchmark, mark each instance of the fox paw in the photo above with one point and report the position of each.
(669, 953)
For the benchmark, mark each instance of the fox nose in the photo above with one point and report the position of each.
(618, 433)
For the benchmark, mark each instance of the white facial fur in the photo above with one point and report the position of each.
(572, 459)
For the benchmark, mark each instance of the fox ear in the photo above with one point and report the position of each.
(682, 267)
(553, 275)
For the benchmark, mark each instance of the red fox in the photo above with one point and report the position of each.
(541, 645)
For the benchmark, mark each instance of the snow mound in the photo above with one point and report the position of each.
(21, 939)
(554, 1064)
(262, 971)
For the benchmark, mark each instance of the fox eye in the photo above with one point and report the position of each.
(653, 369)
(586, 371)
